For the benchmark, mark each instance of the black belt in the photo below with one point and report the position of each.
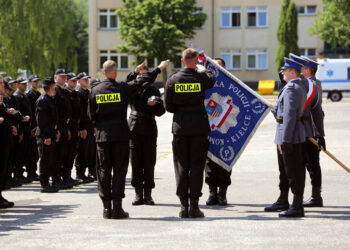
(141, 114)
(64, 121)
(189, 108)
(280, 120)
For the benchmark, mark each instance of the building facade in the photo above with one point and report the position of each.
(243, 33)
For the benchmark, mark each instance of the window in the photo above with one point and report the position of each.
(307, 10)
(177, 63)
(230, 17)
(232, 58)
(257, 17)
(107, 19)
(308, 52)
(122, 60)
(257, 59)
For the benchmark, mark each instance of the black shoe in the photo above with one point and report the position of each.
(194, 211)
(213, 196)
(82, 179)
(22, 180)
(315, 199)
(91, 178)
(60, 184)
(4, 203)
(148, 200)
(49, 189)
(281, 204)
(222, 196)
(138, 197)
(118, 212)
(107, 210)
(277, 207)
(68, 183)
(295, 210)
(13, 183)
(184, 208)
(313, 202)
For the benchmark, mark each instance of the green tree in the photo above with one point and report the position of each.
(333, 25)
(38, 36)
(287, 32)
(157, 28)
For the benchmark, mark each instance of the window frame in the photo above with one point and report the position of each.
(258, 10)
(231, 11)
(306, 10)
(256, 53)
(108, 13)
(231, 53)
(306, 52)
(111, 53)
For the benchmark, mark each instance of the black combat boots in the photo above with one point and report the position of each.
(213, 196)
(222, 196)
(5, 203)
(107, 209)
(281, 204)
(138, 197)
(118, 212)
(46, 187)
(194, 211)
(184, 208)
(315, 199)
(148, 200)
(296, 209)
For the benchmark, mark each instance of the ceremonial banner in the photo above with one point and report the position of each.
(234, 111)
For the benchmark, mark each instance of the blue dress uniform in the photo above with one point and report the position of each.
(312, 152)
(143, 141)
(289, 138)
(107, 109)
(184, 96)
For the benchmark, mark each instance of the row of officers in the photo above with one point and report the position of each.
(118, 140)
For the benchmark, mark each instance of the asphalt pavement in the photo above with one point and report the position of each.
(72, 219)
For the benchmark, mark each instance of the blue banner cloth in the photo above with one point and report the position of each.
(234, 112)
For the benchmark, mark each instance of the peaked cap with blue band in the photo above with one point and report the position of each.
(290, 63)
(309, 62)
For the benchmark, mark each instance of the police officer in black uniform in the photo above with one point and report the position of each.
(73, 126)
(33, 94)
(216, 176)
(23, 150)
(107, 109)
(184, 96)
(145, 105)
(47, 134)
(5, 136)
(64, 110)
(86, 155)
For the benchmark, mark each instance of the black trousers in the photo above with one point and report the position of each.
(86, 154)
(143, 153)
(33, 156)
(61, 151)
(189, 154)
(312, 159)
(46, 160)
(6, 155)
(112, 156)
(215, 175)
(72, 147)
(22, 154)
(292, 170)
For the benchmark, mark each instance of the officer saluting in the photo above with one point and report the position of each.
(47, 135)
(184, 96)
(290, 134)
(107, 109)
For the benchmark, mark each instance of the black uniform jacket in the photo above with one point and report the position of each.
(64, 107)
(184, 96)
(46, 117)
(141, 119)
(75, 117)
(24, 106)
(33, 96)
(85, 122)
(108, 106)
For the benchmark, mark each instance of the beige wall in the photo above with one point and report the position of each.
(214, 39)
